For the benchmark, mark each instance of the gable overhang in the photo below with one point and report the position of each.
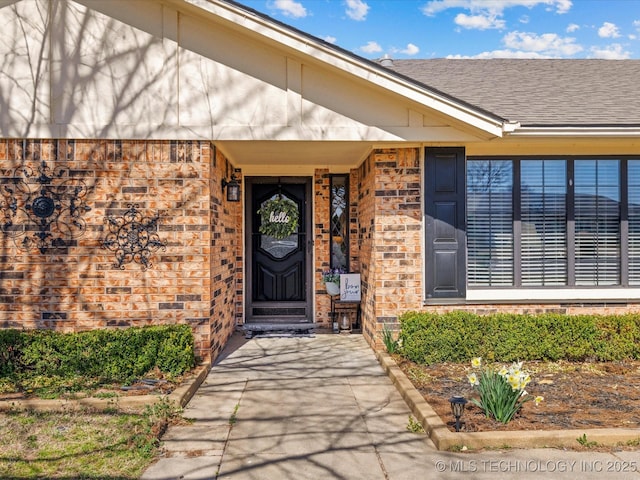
(313, 50)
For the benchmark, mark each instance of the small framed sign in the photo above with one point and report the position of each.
(350, 287)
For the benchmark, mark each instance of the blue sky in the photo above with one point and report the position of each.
(607, 29)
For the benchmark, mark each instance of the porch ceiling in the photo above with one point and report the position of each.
(244, 154)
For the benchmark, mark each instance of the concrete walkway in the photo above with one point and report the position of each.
(322, 408)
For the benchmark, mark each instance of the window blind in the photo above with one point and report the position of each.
(597, 222)
(544, 222)
(490, 222)
(633, 171)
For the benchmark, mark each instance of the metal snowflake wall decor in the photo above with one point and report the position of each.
(42, 208)
(132, 237)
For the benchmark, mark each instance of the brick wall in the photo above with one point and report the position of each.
(321, 243)
(562, 308)
(390, 238)
(366, 245)
(73, 284)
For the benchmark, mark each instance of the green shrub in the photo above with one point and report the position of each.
(11, 342)
(109, 355)
(175, 352)
(458, 336)
(433, 338)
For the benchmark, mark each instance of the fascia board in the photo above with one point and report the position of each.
(494, 126)
(592, 132)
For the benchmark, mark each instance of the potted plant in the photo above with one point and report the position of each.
(331, 279)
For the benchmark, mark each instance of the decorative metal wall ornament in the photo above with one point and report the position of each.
(42, 209)
(133, 238)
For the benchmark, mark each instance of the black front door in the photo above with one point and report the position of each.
(278, 273)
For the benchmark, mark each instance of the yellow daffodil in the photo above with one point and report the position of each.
(476, 362)
(538, 399)
(473, 379)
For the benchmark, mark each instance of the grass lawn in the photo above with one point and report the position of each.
(80, 445)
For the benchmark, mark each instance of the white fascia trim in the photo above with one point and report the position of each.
(603, 132)
(563, 295)
(492, 125)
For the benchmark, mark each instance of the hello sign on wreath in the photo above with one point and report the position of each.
(279, 217)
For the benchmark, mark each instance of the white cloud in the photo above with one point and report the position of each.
(501, 54)
(563, 6)
(495, 7)
(357, 9)
(636, 23)
(330, 39)
(524, 19)
(289, 8)
(371, 47)
(410, 49)
(478, 22)
(487, 14)
(548, 44)
(609, 30)
(573, 27)
(610, 52)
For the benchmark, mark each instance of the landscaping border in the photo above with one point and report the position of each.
(180, 396)
(444, 439)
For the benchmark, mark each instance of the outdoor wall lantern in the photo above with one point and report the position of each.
(233, 188)
(457, 408)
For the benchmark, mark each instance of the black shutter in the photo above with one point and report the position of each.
(445, 223)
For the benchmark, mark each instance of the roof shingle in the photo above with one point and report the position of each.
(538, 92)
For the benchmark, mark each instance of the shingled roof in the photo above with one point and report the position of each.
(547, 93)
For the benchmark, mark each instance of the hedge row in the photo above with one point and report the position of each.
(109, 355)
(460, 336)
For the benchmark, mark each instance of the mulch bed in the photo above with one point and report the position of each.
(576, 395)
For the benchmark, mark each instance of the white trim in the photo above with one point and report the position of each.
(553, 294)
(590, 132)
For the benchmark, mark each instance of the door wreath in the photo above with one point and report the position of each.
(279, 217)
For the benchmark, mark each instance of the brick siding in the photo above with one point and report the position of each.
(192, 280)
(389, 237)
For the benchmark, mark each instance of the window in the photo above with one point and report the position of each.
(634, 221)
(597, 207)
(553, 222)
(339, 222)
(544, 222)
(490, 222)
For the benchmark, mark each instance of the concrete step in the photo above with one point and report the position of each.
(279, 328)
